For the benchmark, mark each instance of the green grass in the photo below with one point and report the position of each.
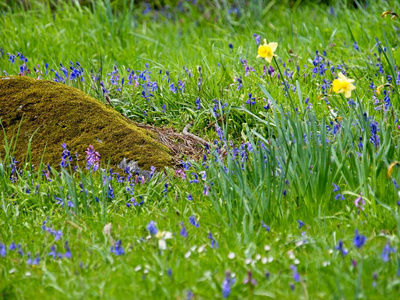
(268, 166)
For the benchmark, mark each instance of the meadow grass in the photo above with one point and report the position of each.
(296, 196)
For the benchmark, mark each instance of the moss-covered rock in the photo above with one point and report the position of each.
(63, 114)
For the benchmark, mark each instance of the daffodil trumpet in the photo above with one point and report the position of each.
(343, 85)
(267, 50)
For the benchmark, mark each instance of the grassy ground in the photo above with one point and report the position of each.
(297, 195)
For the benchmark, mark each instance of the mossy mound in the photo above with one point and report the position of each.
(63, 114)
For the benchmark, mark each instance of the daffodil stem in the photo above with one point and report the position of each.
(286, 86)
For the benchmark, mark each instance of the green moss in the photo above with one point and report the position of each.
(63, 114)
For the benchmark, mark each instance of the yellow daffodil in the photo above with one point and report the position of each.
(267, 51)
(343, 85)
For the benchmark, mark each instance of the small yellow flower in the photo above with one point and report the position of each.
(343, 85)
(267, 51)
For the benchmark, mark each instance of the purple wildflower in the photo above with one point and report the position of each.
(301, 223)
(92, 158)
(359, 202)
(3, 250)
(227, 285)
(250, 279)
(151, 227)
(214, 243)
(265, 226)
(296, 275)
(192, 220)
(359, 240)
(183, 232)
(386, 252)
(20, 252)
(335, 188)
(53, 251)
(67, 250)
(36, 261)
(29, 261)
(117, 248)
(12, 246)
(66, 156)
(189, 295)
(198, 103)
(341, 248)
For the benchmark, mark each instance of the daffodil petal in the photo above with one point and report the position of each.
(273, 46)
(347, 94)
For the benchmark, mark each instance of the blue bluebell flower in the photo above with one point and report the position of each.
(36, 261)
(192, 220)
(151, 227)
(198, 103)
(117, 248)
(153, 169)
(110, 193)
(189, 295)
(341, 248)
(53, 252)
(183, 232)
(267, 228)
(251, 100)
(335, 187)
(301, 223)
(66, 156)
(296, 275)
(386, 252)
(227, 285)
(67, 253)
(165, 190)
(3, 250)
(12, 246)
(257, 38)
(20, 252)
(214, 243)
(29, 261)
(359, 240)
